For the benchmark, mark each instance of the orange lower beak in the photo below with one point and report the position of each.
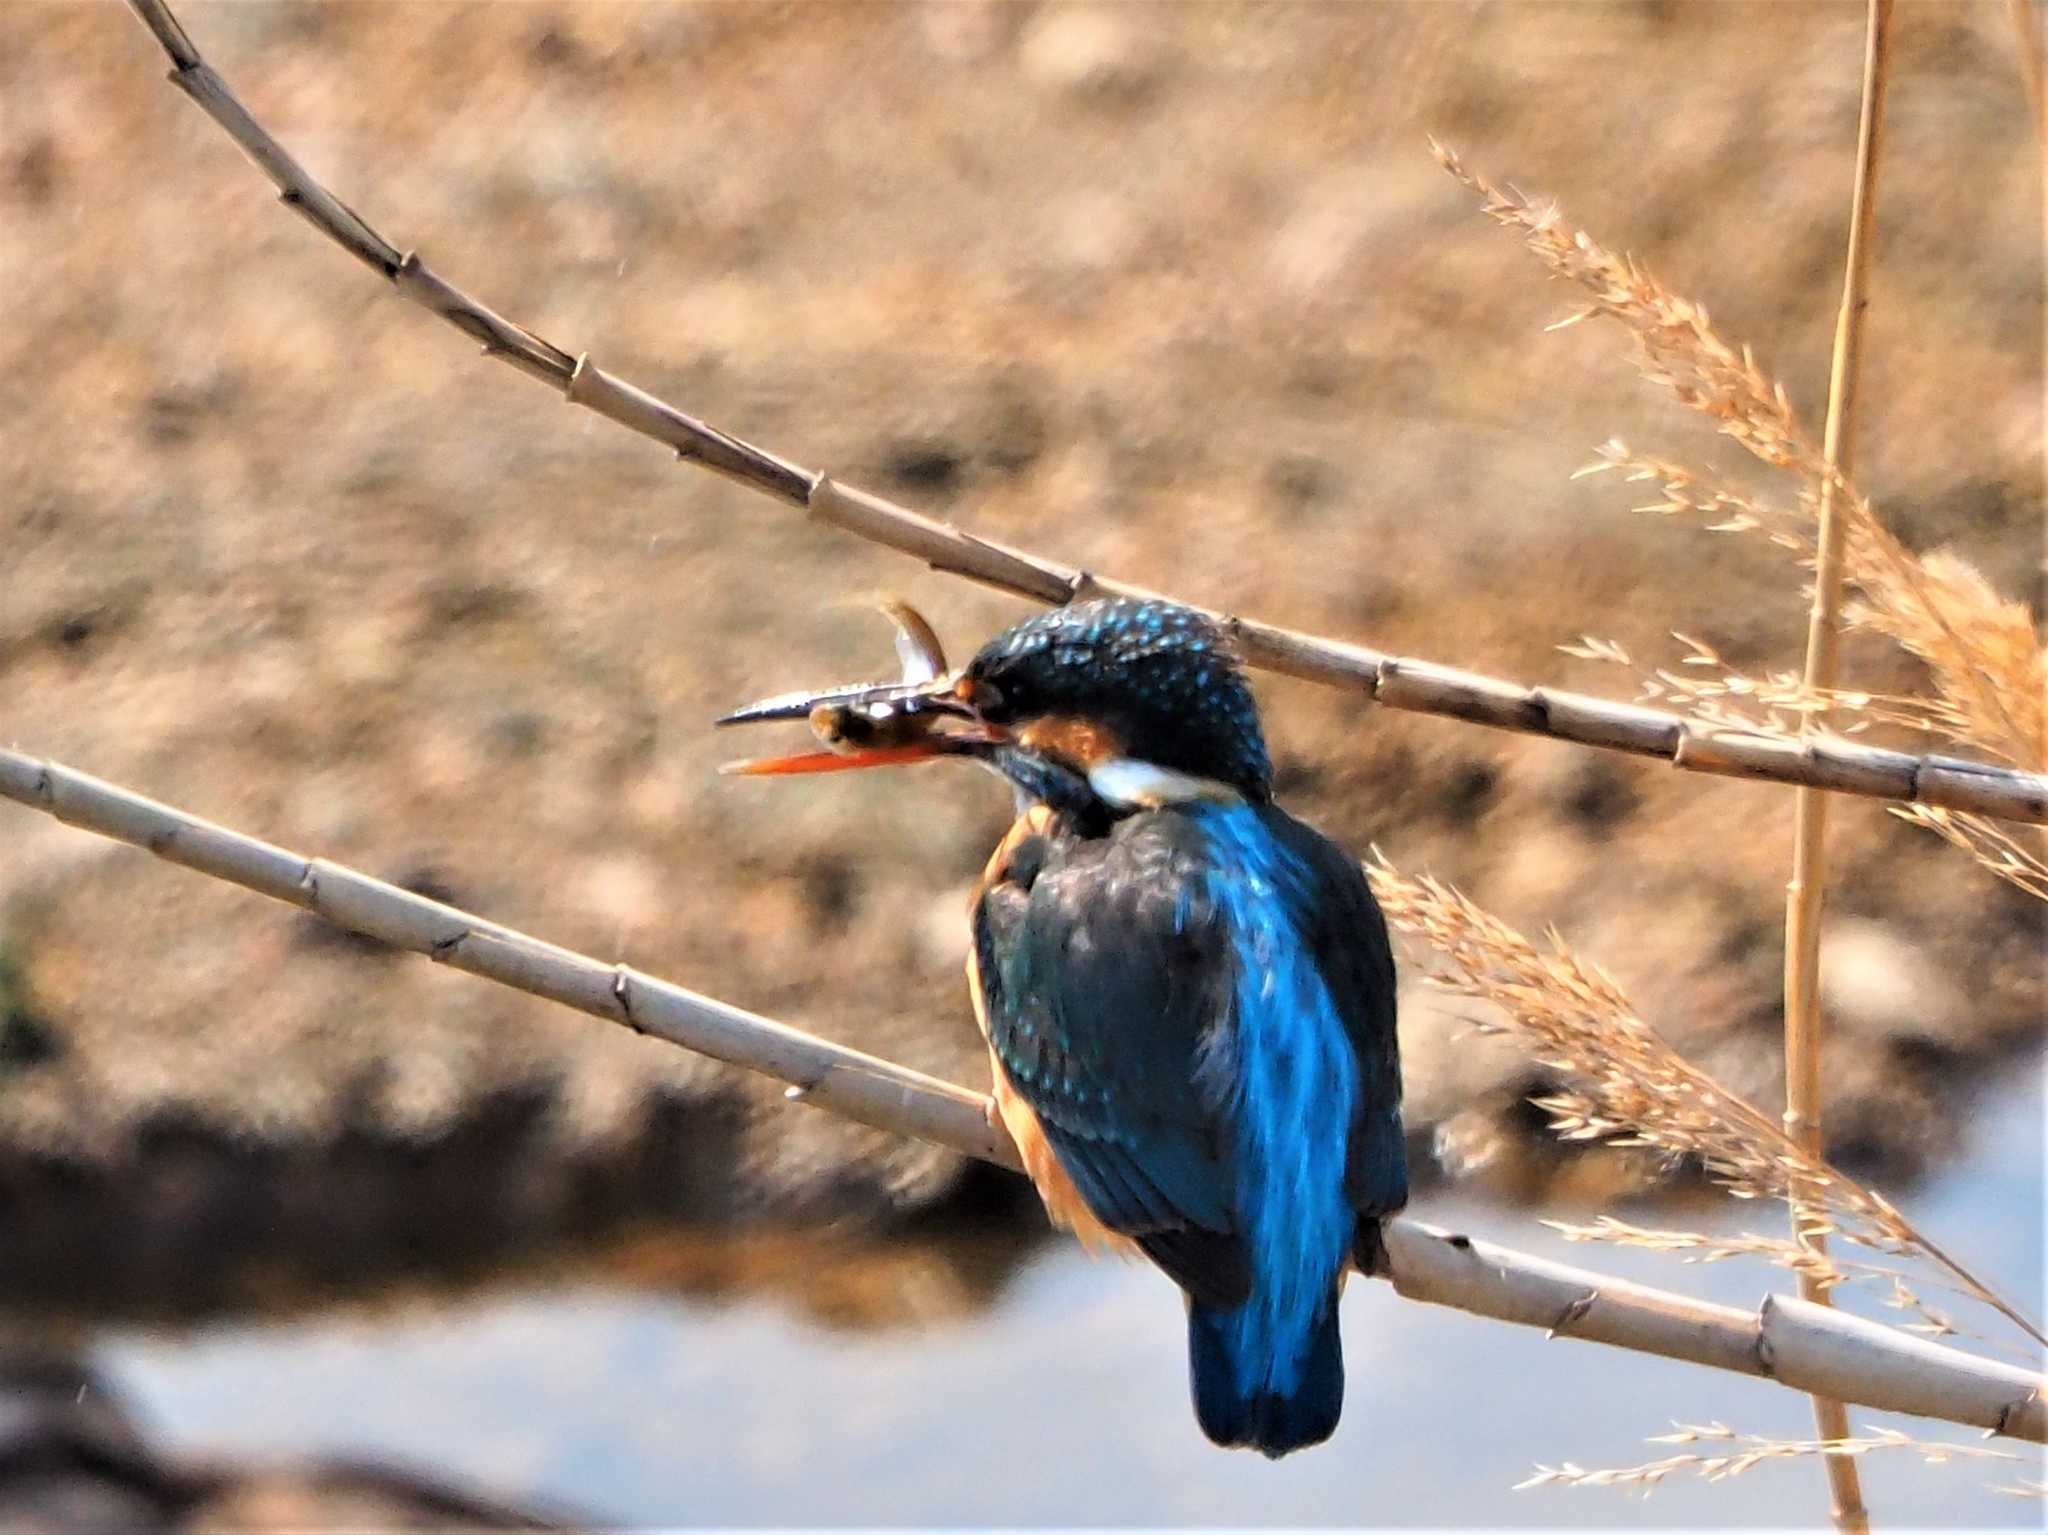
(837, 762)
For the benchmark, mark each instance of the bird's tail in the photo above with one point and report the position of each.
(1240, 1399)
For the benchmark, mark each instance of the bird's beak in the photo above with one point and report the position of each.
(826, 761)
(877, 724)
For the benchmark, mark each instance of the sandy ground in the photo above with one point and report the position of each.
(1172, 292)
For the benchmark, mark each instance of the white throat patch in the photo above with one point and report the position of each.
(1131, 783)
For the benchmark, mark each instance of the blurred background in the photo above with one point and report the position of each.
(309, 1232)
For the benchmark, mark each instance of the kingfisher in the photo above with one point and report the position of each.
(1188, 994)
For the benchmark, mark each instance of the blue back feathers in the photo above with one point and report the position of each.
(1292, 1083)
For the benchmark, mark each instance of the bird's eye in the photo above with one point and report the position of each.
(983, 697)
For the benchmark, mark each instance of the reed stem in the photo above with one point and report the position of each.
(1803, 904)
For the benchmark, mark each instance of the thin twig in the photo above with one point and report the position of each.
(1803, 1347)
(1823, 643)
(1396, 681)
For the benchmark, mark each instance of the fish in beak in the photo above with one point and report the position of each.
(923, 715)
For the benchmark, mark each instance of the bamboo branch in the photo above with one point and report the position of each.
(1802, 1346)
(861, 1087)
(1803, 897)
(1398, 682)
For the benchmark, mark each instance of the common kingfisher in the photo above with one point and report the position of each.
(1188, 995)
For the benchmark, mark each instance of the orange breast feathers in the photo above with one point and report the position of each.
(1056, 1190)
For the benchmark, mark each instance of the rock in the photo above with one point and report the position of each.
(1094, 232)
(966, 31)
(1350, 228)
(624, 891)
(942, 932)
(1093, 51)
(1875, 984)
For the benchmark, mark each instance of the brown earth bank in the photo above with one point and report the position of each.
(1170, 292)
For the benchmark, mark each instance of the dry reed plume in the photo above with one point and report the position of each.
(1984, 654)
(1996, 849)
(1627, 1086)
(1676, 345)
(1745, 1452)
(1773, 704)
(1826, 1271)
(1989, 668)
(1984, 658)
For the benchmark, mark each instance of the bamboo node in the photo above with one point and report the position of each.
(2011, 1410)
(1766, 1351)
(572, 387)
(824, 494)
(622, 993)
(1572, 1314)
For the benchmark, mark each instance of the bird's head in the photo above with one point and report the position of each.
(1131, 702)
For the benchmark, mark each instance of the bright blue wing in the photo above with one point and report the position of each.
(1347, 935)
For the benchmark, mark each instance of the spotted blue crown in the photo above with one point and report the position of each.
(1163, 677)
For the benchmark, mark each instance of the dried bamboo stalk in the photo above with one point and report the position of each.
(1805, 1347)
(861, 1087)
(1396, 681)
(1803, 898)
